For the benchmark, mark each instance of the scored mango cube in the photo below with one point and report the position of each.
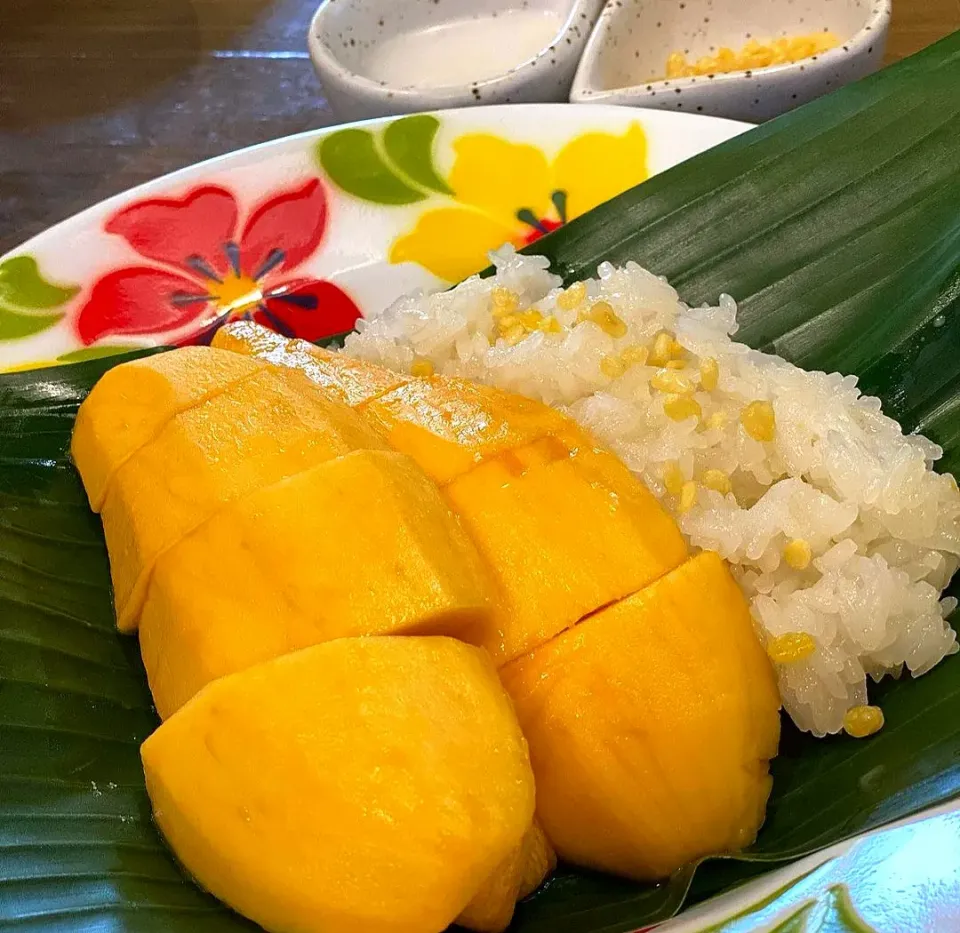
(359, 545)
(566, 529)
(346, 379)
(131, 404)
(651, 724)
(254, 433)
(449, 426)
(365, 785)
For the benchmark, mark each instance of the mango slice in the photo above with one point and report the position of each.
(131, 403)
(520, 874)
(564, 525)
(449, 426)
(651, 725)
(566, 528)
(365, 785)
(255, 432)
(360, 545)
(346, 379)
(538, 861)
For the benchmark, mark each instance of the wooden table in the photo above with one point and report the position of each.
(918, 23)
(100, 95)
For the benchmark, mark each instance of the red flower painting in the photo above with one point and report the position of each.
(204, 263)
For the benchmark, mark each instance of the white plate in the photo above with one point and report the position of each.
(307, 232)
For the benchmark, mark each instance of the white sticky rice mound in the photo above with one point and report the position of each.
(884, 528)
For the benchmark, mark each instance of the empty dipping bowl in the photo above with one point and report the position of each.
(382, 57)
(625, 61)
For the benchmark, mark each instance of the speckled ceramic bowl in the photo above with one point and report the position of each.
(346, 37)
(629, 47)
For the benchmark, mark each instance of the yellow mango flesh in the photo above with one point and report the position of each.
(446, 425)
(359, 545)
(359, 786)
(449, 426)
(346, 379)
(131, 403)
(255, 432)
(520, 874)
(651, 724)
(537, 862)
(566, 529)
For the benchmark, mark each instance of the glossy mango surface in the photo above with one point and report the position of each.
(359, 545)
(359, 786)
(254, 433)
(651, 726)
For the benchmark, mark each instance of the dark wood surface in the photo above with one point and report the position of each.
(99, 95)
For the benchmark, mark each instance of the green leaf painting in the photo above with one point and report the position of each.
(17, 324)
(408, 143)
(353, 161)
(22, 285)
(27, 298)
(906, 878)
(94, 353)
(392, 168)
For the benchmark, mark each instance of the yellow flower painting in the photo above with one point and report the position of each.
(505, 192)
(497, 191)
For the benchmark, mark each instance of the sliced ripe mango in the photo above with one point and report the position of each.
(538, 862)
(249, 339)
(520, 874)
(131, 403)
(449, 426)
(651, 725)
(360, 545)
(491, 909)
(366, 785)
(346, 379)
(566, 528)
(257, 431)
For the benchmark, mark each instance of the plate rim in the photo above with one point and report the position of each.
(219, 161)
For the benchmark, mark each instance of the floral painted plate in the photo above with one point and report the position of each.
(308, 233)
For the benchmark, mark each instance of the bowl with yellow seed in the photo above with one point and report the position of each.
(729, 59)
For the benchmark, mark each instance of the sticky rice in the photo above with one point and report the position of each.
(836, 526)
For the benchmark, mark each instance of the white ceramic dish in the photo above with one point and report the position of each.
(381, 57)
(306, 234)
(633, 38)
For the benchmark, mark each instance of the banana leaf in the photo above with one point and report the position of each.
(836, 227)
